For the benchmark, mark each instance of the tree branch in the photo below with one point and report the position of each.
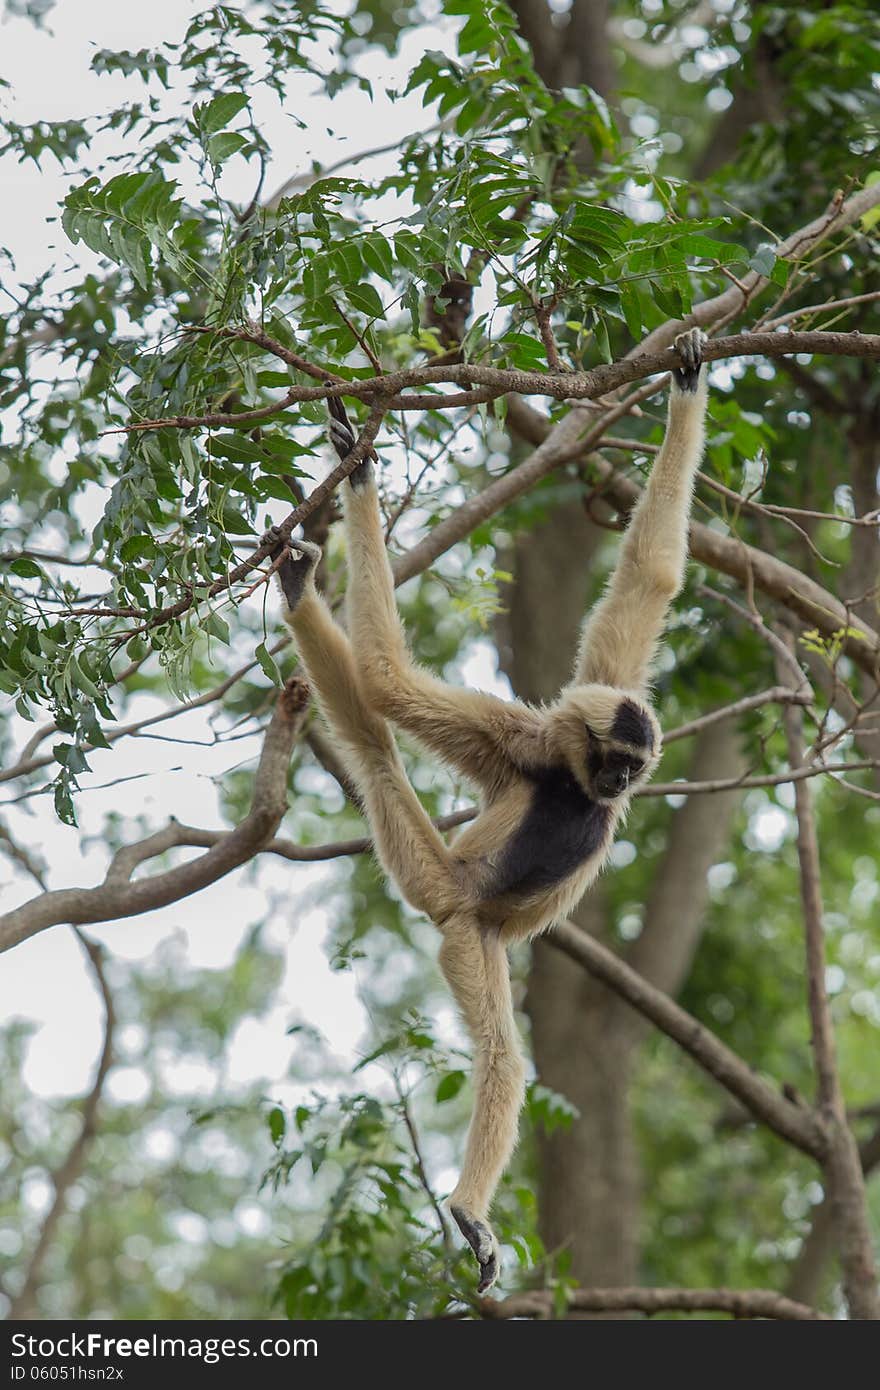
(772, 779)
(739, 1303)
(319, 494)
(747, 564)
(794, 1123)
(493, 382)
(806, 1278)
(119, 897)
(841, 1161)
(776, 695)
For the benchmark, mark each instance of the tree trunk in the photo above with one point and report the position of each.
(588, 1172)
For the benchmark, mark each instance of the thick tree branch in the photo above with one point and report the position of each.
(809, 1270)
(119, 897)
(798, 1125)
(739, 1303)
(502, 381)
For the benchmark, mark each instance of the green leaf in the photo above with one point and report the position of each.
(25, 568)
(64, 803)
(215, 626)
(413, 303)
(449, 1086)
(238, 447)
(70, 757)
(632, 310)
(277, 1126)
(602, 343)
(137, 548)
(763, 260)
(235, 523)
(376, 252)
(709, 249)
(219, 112)
(366, 298)
(221, 146)
(870, 218)
(268, 664)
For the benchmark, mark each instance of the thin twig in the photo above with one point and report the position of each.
(420, 1165)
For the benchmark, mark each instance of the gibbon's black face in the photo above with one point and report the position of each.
(616, 761)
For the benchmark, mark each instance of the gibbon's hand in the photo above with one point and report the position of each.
(689, 347)
(299, 560)
(343, 438)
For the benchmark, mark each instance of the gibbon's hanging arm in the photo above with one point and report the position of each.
(554, 782)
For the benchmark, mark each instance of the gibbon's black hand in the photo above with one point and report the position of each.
(296, 565)
(342, 437)
(554, 781)
(689, 347)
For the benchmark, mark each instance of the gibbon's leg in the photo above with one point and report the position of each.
(470, 730)
(409, 848)
(474, 961)
(620, 636)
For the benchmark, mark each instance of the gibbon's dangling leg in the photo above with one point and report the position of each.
(474, 962)
(409, 848)
(470, 730)
(620, 636)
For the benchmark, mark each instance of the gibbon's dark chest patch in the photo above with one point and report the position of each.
(560, 830)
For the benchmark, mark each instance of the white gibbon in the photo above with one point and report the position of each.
(554, 782)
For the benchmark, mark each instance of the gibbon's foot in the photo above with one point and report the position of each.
(299, 560)
(481, 1240)
(275, 539)
(689, 347)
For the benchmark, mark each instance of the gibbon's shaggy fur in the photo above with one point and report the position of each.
(554, 782)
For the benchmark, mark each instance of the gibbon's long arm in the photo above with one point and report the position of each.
(485, 738)
(620, 636)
